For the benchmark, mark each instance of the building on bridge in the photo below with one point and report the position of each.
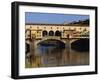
(39, 31)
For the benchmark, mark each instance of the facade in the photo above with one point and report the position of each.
(38, 31)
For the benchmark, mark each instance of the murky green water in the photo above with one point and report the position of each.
(51, 56)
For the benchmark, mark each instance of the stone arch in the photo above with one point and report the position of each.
(58, 43)
(51, 33)
(44, 33)
(50, 38)
(73, 40)
(57, 33)
(80, 45)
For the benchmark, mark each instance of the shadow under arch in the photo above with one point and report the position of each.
(80, 45)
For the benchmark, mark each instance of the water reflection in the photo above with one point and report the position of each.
(52, 56)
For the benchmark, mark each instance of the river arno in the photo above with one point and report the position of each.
(51, 56)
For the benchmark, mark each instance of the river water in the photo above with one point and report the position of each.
(51, 56)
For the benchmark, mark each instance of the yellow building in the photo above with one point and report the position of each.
(39, 31)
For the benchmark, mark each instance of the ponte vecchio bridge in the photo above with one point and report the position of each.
(60, 32)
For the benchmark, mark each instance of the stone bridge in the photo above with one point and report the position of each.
(49, 38)
(65, 41)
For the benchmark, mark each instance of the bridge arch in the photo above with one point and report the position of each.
(80, 45)
(53, 42)
(73, 40)
(56, 38)
(78, 39)
(51, 33)
(44, 33)
(57, 33)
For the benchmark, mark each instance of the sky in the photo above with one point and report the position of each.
(52, 18)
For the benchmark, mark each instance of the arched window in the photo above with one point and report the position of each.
(44, 33)
(51, 33)
(57, 33)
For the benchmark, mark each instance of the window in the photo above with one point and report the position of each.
(44, 33)
(57, 33)
(51, 33)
